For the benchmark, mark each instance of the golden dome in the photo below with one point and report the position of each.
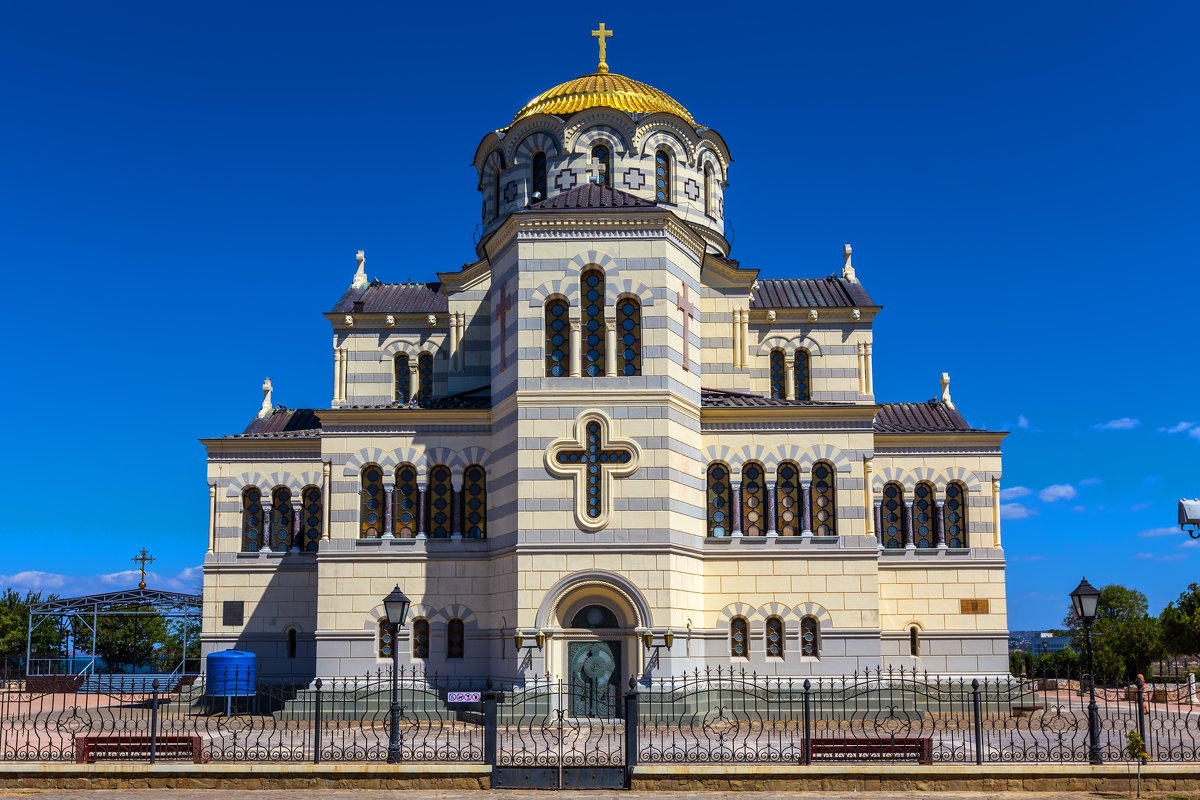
(603, 89)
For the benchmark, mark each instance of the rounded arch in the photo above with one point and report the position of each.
(721, 452)
(706, 156)
(396, 346)
(488, 145)
(368, 455)
(598, 123)
(592, 584)
(535, 141)
(806, 457)
(615, 289)
(815, 610)
(739, 609)
(266, 483)
(966, 477)
(775, 610)
(887, 475)
(758, 452)
(661, 129)
(789, 344)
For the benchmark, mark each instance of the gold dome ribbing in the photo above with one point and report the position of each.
(603, 89)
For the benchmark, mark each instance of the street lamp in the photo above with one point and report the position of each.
(1085, 599)
(395, 607)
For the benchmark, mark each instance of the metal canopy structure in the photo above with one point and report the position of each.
(73, 614)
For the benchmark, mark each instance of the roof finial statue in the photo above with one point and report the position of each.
(360, 277)
(267, 408)
(847, 270)
(602, 35)
(946, 390)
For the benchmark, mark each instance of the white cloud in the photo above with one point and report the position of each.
(1195, 432)
(1191, 543)
(191, 574)
(1015, 511)
(1091, 482)
(1141, 506)
(1122, 424)
(1173, 557)
(1179, 427)
(1152, 532)
(1015, 493)
(1079, 508)
(33, 579)
(1059, 491)
(1143, 555)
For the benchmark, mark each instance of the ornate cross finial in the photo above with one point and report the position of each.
(360, 277)
(946, 390)
(602, 35)
(143, 558)
(847, 268)
(267, 408)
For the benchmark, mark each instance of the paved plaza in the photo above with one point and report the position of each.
(351, 794)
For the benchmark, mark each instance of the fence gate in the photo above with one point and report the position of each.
(560, 734)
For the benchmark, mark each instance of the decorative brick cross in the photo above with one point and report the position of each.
(689, 311)
(593, 459)
(503, 306)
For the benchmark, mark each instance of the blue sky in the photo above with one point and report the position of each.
(183, 187)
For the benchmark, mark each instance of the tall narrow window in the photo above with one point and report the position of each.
(420, 638)
(371, 509)
(923, 515)
(400, 377)
(291, 643)
(787, 499)
(629, 328)
(956, 515)
(775, 637)
(803, 387)
(425, 379)
(739, 637)
(914, 643)
(662, 176)
(708, 189)
(720, 499)
(386, 638)
(557, 350)
(893, 516)
(539, 177)
(810, 637)
(754, 500)
(252, 520)
(281, 519)
(824, 500)
(602, 165)
(592, 283)
(496, 195)
(438, 514)
(474, 502)
(456, 635)
(404, 502)
(310, 520)
(778, 390)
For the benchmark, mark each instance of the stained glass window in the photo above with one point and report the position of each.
(739, 637)
(593, 455)
(629, 331)
(956, 515)
(371, 509)
(252, 520)
(557, 330)
(775, 637)
(708, 189)
(310, 520)
(455, 638)
(404, 502)
(281, 519)
(420, 638)
(914, 643)
(810, 637)
(803, 388)
(787, 499)
(824, 500)
(439, 491)
(474, 503)
(539, 176)
(386, 639)
(720, 499)
(662, 176)
(425, 379)
(400, 370)
(754, 499)
(602, 164)
(923, 509)
(592, 319)
(778, 390)
(893, 516)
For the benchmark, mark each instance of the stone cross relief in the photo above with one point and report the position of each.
(593, 457)
(503, 306)
(689, 312)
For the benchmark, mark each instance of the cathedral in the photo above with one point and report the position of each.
(607, 447)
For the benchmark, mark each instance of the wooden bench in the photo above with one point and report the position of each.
(864, 749)
(90, 748)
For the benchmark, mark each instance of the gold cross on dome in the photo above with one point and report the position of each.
(143, 558)
(602, 35)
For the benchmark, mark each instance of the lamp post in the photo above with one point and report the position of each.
(1085, 599)
(395, 607)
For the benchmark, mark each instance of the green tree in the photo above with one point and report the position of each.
(1125, 638)
(14, 628)
(1065, 662)
(178, 631)
(1180, 622)
(127, 640)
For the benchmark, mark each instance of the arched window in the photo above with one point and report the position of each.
(496, 195)
(803, 386)
(662, 176)
(778, 390)
(824, 500)
(539, 177)
(956, 515)
(370, 513)
(252, 520)
(310, 520)
(386, 639)
(894, 534)
(602, 165)
(775, 637)
(592, 318)
(400, 376)
(474, 502)
(787, 499)
(708, 189)
(438, 511)
(923, 515)
(629, 328)
(720, 499)
(455, 638)
(914, 643)
(754, 499)
(557, 349)
(281, 519)
(404, 502)
(425, 379)
(739, 637)
(420, 638)
(291, 643)
(810, 637)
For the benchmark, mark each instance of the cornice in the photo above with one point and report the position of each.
(289, 446)
(376, 322)
(466, 277)
(948, 440)
(342, 418)
(863, 414)
(719, 274)
(799, 316)
(595, 222)
(603, 400)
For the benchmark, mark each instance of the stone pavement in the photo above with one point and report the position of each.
(434, 794)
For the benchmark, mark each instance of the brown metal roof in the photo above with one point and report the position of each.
(285, 421)
(930, 417)
(831, 292)
(592, 195)
(723, 398)
(394, 298)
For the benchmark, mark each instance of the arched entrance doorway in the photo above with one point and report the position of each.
(594, 667)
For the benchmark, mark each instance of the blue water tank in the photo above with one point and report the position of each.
(232, 673)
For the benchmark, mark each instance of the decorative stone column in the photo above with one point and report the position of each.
(771, 532)
(456, 507)
(737, 508)
(388, 490)
(414, 380)
(789, 376)
(326, 470)
(421, 497)
(862, 368)
(268, 523)
(454, 341)
(737, 339)
(745, 356)
(910, 543)
(297, 513)
(939, 525)
(879, 528)
(870, 376)
(576, 352)
(869, 496)
(806, 507)
(610, 346)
